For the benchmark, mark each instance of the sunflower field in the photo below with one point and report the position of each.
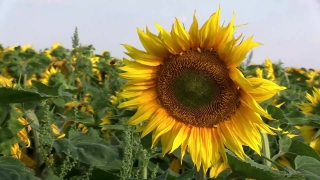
(192, 105)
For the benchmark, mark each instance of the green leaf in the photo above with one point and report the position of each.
(4, 110)
(146, 141)
(59, 101)
(87, 149)
(186, 175)
(314, 120)
(300, 148)
(79, 116)
(186, 157)
(308, 167)
(47, 90)
(284, 143)
(11, 127)
(251, 169)
(14, 169)
(168, 175)
(49, 175)
(101, 174)
(224, 174)
(275, 112)
(114, 127)
(296, 117)
(8, 96)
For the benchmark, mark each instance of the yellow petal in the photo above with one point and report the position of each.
(266, 90)
(194, 32)
(142, 57)
(152, 45)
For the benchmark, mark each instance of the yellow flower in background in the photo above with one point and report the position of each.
(275, 103)
(177, 166)
(106, 121)
(29, 81)
(26, 47)
(308, 133)
(49, 51)
(259, 73)
(5, 82)
(314, 98)
(57, 132)
(190, 94)
(81, 107)
(49, 72)
(269, 67)
(312, 78)
(10, 48)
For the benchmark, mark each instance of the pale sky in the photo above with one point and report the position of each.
(288, 29)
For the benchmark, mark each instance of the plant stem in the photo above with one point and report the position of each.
(145, 172)
(266, 149)
(32, 118)
(201, 175)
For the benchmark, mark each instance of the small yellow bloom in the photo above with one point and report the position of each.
(57, 132)
(259, 73)
(177, 166)
(269, 66)
(5, 82)
(314, 99)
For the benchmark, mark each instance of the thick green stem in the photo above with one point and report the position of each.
(32, 118)
(266, 149)
(201, 175)
(145, 172)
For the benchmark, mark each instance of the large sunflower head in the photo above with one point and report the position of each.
(190, 93)
(314, 100)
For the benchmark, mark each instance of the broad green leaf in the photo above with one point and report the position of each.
(314, 120)
(296, 117)
(308, 167)
(284, 143)
(300, 148)
(87, 149)
(8, 96)
(168, 175)
(114, 127)
(251, 169)
(79, 116)
(4, 110)
(187, 175)
(59, 101)
(101, 174)
(275, 112)
(49, 175)
(47, 90)
(146, 141)
(13, 169)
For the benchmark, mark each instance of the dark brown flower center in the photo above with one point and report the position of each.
(195, 88)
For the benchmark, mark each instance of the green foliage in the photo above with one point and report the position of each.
(59, 119)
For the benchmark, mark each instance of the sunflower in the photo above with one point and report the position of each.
(269, 67)
(5, 82)
(314, 99)
(190, 93)
(48, 52)
(176, 165)
(312, 75)
(259, 73)
(49, 72)
(81, 107)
